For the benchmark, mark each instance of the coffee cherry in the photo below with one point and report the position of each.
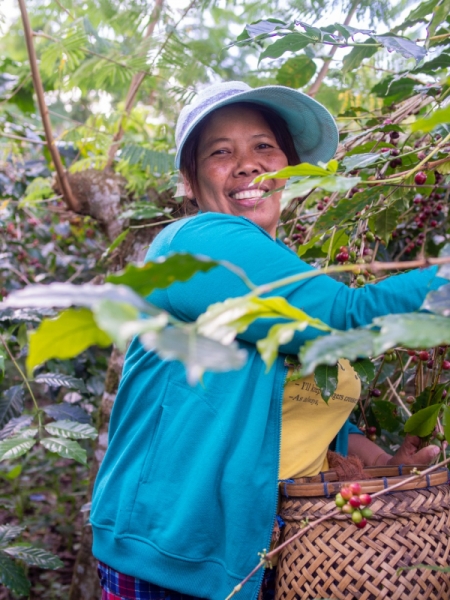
(320, 206)
(424, 355)
(376, 393)
(373, 438)
(371, 430)
(369, 236)
(357, 517)
(360, 280)
(410, 400)
(430, 364)
(444, 394)
(346, 493)
(347, 509)
(446, 365)
(394, 135)
(433, 223)
(355, 501)
(361, 524)
(367, 513)
(366, 499)
(440, 436)
(420, 178)
(340, 501)
(421, 155)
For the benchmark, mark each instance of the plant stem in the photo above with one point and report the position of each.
(25, 379)
(69, 198)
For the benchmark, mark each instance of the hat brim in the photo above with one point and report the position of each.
(313, 129)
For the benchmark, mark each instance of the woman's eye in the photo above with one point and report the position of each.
(219, 151)
(263, 146)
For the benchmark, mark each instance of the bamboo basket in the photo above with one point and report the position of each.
(336, 560)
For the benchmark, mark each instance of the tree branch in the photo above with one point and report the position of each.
(69, 198)
(326, 65)
(134, 86)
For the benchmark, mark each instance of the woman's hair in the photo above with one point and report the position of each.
(276, 123)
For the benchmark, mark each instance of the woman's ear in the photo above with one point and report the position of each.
(188, 191)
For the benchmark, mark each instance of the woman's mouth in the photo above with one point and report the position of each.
(248, 197)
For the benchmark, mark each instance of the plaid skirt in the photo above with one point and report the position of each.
(117, 586)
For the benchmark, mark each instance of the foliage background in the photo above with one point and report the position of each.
(115, 77)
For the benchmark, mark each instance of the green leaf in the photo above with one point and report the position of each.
(155, 162)
(39, 189)
(421, 11)
(224, 320)
(197, 353)
(15, 446)
(327, 350)
(440, 14)
(438, 301)
(359, 161)
(116, 243)
(144, 210)
(437, 63)
(63, 295)
(11, 404)
(35, 557)
(292, 42)
(278, 335)
(386, 415)
(65, 448)
(384, 222)
(60, 380)
(365, 370)
(346, 31)
(296, 72)
(301, 170)
(412, 330)
(64, 410)
(14, 425)
(326, 378)
(72, 429)
(161, 274)
(9, 532)
(358, 54)
(441, 115)
(334, 242)
(346, 209)
(303, 248)
(403, 45)
(424, 421)
(72, 332)
(394, 87)
(13, 576)
(13, 473)
(446, 422)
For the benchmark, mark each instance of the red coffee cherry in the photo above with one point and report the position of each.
(346, 493)
(366, 499)
(420, 178)
(446, 365)
(362, 523)
(355, 501)
(355, 488)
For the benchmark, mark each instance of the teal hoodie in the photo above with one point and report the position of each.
(187, 493)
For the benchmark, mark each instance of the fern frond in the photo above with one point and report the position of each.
(155, 162)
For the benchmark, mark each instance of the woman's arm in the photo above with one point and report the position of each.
(408, 453)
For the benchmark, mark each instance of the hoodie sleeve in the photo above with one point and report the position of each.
(244, 244)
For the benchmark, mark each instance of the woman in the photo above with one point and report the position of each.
(186, 496)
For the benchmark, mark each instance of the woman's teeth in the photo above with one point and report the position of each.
(248, 194)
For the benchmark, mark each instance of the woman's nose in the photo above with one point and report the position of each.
(248, 165)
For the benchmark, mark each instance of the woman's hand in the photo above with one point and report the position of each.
(408, 453)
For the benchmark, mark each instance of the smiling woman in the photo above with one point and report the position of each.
(187, 493)
(228, 149)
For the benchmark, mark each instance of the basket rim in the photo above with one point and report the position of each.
(379, 478)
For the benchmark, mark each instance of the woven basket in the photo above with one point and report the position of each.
(337, 560)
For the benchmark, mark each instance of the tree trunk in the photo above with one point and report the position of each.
(100, 193)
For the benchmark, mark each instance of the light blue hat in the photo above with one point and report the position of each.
(312, 127)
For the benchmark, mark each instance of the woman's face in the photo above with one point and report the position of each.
(236, 145)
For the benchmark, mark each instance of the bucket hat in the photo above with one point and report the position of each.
(312, 127)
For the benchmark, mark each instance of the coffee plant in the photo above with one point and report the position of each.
(71, 281)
